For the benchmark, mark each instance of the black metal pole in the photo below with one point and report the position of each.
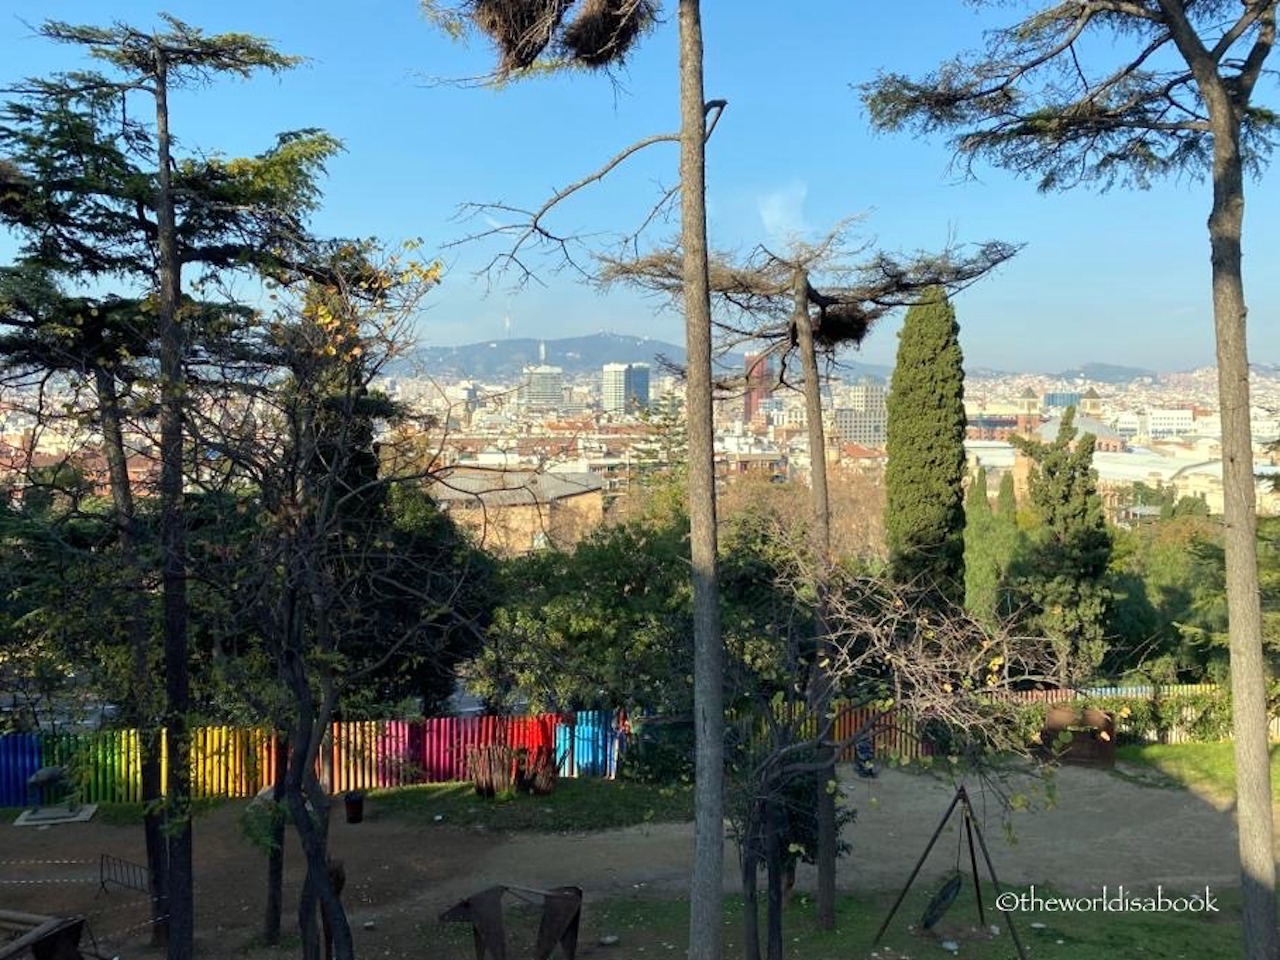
(919, 863)
(1013, 931)
(973, 862)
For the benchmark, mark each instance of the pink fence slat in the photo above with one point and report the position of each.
(428, 756)
(390, 755)
(437, 733)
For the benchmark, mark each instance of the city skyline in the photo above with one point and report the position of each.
(853, 365)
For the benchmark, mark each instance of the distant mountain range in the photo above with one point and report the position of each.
(502, 360)
(499, 361)
(1106, 373)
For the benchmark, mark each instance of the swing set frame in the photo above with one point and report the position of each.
(971, 829)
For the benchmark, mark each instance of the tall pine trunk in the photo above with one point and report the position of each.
(173, 542)
(707, 881)
(142, 713)
(1248, 665)
(819, 694)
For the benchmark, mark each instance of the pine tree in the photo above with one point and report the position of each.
(982, 564)
(95, 194)
(924, 522)
(1070, 549)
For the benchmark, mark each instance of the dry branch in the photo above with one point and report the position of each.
(754, 298)
(528, 227)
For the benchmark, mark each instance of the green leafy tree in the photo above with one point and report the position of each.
(53, 654)
(1179, 96)
(1168, 614)
(1009, 549)
(101, 349)
(1006, 499)
(924, 479)
(349, 583)
(1065, 578)
(600, 626)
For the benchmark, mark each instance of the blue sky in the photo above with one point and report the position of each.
(1120, 277)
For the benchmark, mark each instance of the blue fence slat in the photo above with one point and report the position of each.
(19, 759)
(585, 745)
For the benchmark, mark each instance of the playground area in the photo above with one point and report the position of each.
(1106, 829)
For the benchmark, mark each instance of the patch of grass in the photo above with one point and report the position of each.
(122, 814)
(130, 814)
(1208, 768)
(658, 928)
(579, 805)
(290, 944)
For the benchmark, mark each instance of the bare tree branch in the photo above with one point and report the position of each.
(529, 227)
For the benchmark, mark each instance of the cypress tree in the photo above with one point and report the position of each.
(924, 522)
(982, 567)
(1006, 499)
(1009, 548)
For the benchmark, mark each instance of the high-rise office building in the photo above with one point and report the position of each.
(638, 392)
(613, 387)
(624, 387)
(865, 419)
(759, 371)
(543, 387)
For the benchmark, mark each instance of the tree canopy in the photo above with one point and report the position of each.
(1070, 549)
(1037, 98)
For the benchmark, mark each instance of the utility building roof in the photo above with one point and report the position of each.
(508, 488)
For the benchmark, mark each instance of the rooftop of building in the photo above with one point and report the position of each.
(507, 488)
(1050, 429)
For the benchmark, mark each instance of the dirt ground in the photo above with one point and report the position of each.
(1105, 829)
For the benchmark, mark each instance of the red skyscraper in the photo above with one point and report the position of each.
(759, 370)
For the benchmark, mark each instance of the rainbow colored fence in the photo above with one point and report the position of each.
(106, 767)
(239, 762)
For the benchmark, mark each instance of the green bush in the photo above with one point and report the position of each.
(259, 821)
(660, 750)
(1196, 717)
(1192, 717)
